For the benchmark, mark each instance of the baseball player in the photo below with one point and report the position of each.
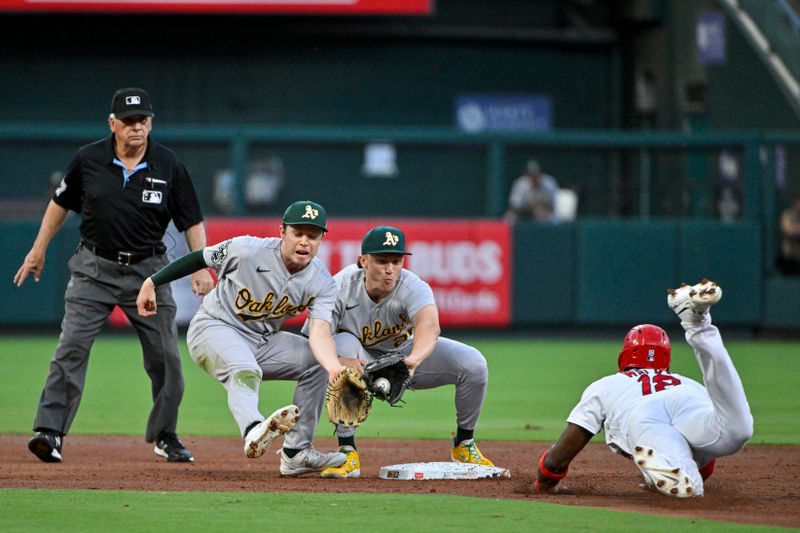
(383, 308)
(235, 335)
(670, 425)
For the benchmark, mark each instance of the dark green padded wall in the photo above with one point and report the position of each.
(731, 255)
(594, 272)
(623, 270)
(41, 303)
(544, 265)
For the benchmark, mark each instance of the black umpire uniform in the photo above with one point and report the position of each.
(124, 215)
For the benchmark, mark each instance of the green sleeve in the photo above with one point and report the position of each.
(188, 264)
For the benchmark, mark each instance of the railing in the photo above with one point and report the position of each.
(772, 29)
(756, 151)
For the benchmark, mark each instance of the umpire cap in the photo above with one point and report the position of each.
(384, 240)
(131, 101)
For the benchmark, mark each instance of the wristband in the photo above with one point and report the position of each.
(544, 472)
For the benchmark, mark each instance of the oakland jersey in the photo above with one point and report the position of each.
(256, 293)
(386, 326)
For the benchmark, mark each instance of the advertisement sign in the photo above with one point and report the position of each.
(483, 112)
(305, 7)
(467, 263)
(711, 38)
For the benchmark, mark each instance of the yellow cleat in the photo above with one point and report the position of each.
(351, 468)
(467, 452)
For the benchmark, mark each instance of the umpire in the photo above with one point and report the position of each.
(126, 188)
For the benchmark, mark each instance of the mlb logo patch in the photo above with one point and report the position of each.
(151, 197)
(133, 100)
(651, 355)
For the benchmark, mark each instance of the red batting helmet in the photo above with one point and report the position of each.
(645, 346)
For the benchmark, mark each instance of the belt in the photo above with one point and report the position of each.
(126, 258)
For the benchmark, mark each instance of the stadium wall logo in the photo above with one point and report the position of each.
(467, 263)
(460, 262)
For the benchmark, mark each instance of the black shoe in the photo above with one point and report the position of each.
(168, 445)
(46, 445)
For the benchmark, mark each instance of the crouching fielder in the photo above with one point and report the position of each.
(670, 425)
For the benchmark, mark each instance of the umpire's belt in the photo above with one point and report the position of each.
(124, 257)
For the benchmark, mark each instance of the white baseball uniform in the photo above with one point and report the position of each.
(688, 424)
(367, 330)
(235, 335)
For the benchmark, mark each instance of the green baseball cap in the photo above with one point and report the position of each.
(384, 240)
(305, 212)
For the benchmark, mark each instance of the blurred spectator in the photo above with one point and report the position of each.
(533, 196)
(264, 181)
(789, 260)
(225, 191)
(262, 185)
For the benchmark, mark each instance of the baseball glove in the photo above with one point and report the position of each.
(348, 399)
(393, 368)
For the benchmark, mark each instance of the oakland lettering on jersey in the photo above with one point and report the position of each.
(252, 309)
(377, 332)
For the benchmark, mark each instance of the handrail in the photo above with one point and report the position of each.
(766, 50)
(409, 134)
(791, 17)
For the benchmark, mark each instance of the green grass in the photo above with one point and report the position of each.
(104, 511)
(533, 385)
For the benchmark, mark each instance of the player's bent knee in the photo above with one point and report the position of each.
(476, 369)
(247, 379)
(740, 438)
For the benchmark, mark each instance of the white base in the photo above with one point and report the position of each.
(453, 470)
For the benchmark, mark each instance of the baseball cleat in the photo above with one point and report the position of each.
(691, 303)
(46, 445)
(309, 460)
(467, 452)
(169, 446)
(351, 468)
(666, 479)
(261, 436)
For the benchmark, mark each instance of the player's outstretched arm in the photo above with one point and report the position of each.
(426, 335)
(146, 300)
(189, 263)
(554, 463)
(202, 282)
(323, 347)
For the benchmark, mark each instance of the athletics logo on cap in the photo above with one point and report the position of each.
(305, 212)
(311, 213)
(391, 240)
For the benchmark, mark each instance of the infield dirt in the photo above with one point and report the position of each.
(759, 485)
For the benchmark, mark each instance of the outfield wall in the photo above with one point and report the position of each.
(592, 272)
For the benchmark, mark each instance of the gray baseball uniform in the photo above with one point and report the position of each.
(367, 330)
(235, 335)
